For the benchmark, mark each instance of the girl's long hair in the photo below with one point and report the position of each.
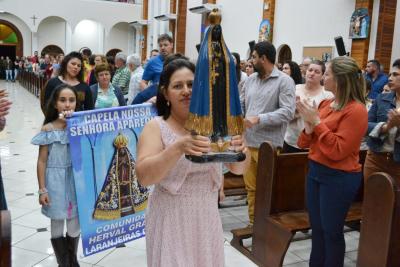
(51, 112)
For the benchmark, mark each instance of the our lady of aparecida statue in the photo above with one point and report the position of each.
(215, 109)
(121, 194)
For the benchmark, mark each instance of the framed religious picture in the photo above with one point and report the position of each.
(359, 24)
(264, 31)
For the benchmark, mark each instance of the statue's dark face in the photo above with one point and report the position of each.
(216, 33)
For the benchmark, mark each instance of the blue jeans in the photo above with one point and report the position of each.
(9, 73)
(330, 193)
(15, 74)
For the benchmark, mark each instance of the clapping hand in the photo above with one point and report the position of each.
(393, 118)
(309, 114)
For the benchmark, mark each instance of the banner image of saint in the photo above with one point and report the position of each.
(121, 194)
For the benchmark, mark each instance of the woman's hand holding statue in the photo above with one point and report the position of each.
(194, 145)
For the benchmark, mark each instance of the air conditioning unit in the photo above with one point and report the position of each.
(166, 17)
(204, 8)
(138, 23)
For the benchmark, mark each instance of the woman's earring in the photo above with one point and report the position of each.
(167, 103)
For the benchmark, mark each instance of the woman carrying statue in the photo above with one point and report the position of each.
(183, 226)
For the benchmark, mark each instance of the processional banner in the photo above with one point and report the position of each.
(111, 202)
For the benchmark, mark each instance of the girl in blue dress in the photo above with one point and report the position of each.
(54, 170)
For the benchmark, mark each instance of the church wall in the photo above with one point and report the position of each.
(396, 35)
(23, 28)
(88, 33)
(311, 23)
(120, 37)
(240, 22)
(193, 30)
(155, 27)
(52, 32)
(107, 13)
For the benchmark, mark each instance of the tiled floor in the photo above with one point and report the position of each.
(30, 233)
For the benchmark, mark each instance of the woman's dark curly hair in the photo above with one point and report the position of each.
(51, 112)
(295, 72)
(171, 64)
(64, 63)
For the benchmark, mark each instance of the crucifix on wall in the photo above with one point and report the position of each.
(34, 18)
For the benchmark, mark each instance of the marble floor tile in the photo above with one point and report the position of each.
(25, 258)
(38, 242)
(125, 256)
(34, 219)
(20, 233)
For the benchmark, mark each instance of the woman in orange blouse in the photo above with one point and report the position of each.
(333, 132)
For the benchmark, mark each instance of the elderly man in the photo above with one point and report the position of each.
(269, 105)
(304, 67)
(122, 74)
(154, 67)
(133, 63)
(377, 79)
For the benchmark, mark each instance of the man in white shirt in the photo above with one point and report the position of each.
(133, 63)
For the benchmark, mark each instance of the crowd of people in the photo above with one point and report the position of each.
(326, 108)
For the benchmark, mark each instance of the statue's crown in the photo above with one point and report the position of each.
(121, 141)
(215, 17)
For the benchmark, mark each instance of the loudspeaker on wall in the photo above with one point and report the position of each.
(340, 46)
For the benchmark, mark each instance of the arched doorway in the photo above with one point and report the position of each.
(52, 50)
(122, 36)
(113, 52)
(284, 53)
(11, 42)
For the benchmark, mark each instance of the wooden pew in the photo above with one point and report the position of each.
(5, 238)
(280, 207)
(380, 229)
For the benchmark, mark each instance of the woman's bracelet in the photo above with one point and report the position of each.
(42, 191)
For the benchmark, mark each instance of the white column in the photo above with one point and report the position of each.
(101, 38)
(131, 40)
(35, 42)
(150, 27)
(138, 35)
(156, 24)
(68, 38)
(374, 30)
(396, 36)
